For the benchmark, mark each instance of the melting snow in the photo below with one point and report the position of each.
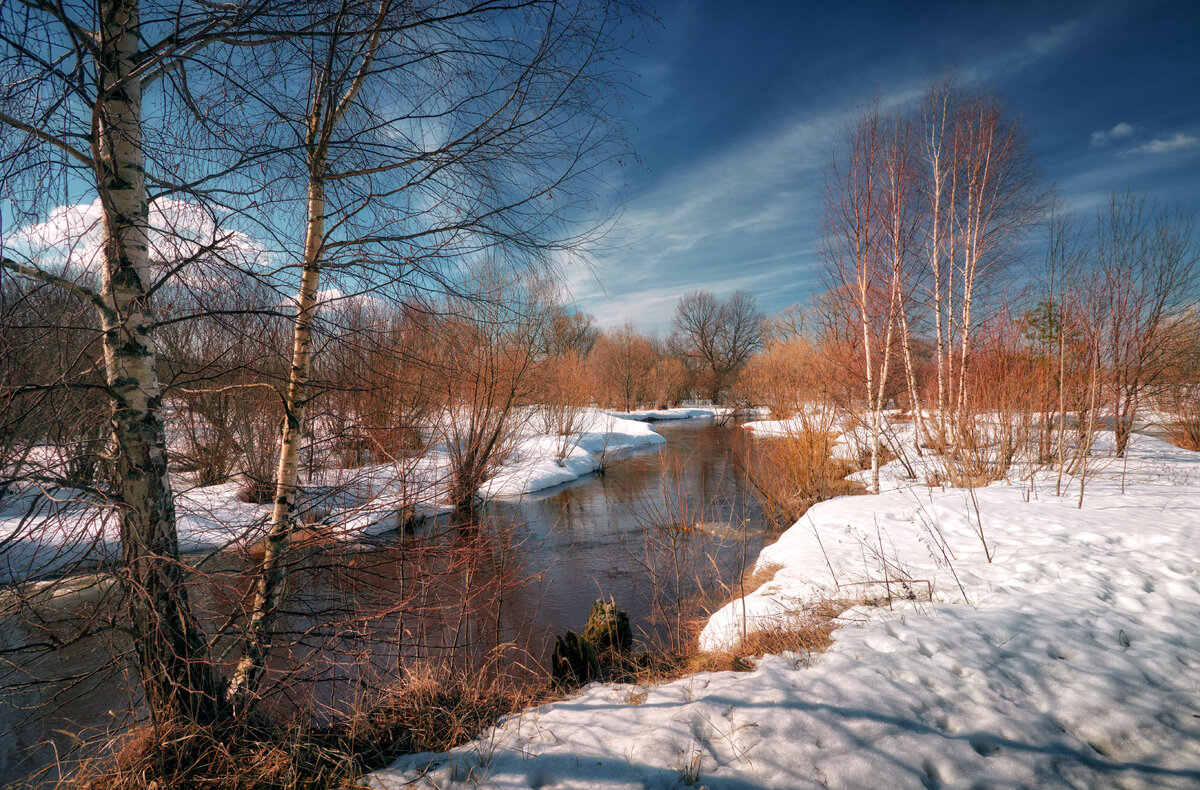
(1070, 660)
(43, 532)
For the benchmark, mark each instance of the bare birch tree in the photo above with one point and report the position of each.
(77, 82)
(998, 198)
(431, 137)
(857, 258)
(1147, 259)
(983, 197)
(938, 165)
(901, 222)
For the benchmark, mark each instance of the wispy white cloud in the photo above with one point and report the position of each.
(1031, 50)
(717, 224)
(1124, 133)
(1105, 136)
(652, 304)
(1179, 141)
(747, 213)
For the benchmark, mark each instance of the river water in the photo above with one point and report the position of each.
(618, 534)
(657, 527)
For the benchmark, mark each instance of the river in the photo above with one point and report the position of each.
(491, 593)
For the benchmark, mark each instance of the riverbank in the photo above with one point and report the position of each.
(46, 533)
(1057, 649)
(675, 413)
(574, 542)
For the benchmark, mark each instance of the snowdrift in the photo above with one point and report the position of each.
(1069, 660)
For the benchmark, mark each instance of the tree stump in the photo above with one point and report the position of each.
(574, 660)
(608, 630)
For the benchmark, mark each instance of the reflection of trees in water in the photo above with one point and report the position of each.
(354, 620)
(64, 670)
(694, 530)
(690, 536)
(486, 597)
(357, 620)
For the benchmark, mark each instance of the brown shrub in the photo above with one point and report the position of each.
(1183, 425)
(256, 492)
(791, 473)
(1185, 433)
(434, 708)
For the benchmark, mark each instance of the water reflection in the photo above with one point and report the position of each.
(487, 595)
(590, 537)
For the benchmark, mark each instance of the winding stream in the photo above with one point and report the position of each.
(502, 593)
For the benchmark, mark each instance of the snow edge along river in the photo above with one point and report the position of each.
(1069, 660)
(48, 532)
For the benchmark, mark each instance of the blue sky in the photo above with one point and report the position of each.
(741, 103)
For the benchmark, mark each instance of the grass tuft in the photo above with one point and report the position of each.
(432, 709)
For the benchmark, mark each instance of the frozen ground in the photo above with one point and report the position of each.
(42, 532)
(1072, 659)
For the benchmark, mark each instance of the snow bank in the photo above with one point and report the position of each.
(534, 464)
(852, 439)
(815, 416)
(44, 532)
(678, 413)
(1070, 660)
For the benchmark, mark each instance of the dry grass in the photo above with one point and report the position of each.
(237, 756)
(437, 709)
(806, 634)
(756, 577)
(431, 709)
(963, 475)
(789, 474)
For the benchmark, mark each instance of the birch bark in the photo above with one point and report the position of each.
(171, 649)
(327, 108)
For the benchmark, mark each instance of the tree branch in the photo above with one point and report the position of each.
(47, 137)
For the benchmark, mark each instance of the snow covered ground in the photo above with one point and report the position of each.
(44, 532)
(534, 465)
(1072, 659)
(677, 413)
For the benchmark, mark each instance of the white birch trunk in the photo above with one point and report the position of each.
(326, 111)
(911, 380)
(170, 647)
(270, 582)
